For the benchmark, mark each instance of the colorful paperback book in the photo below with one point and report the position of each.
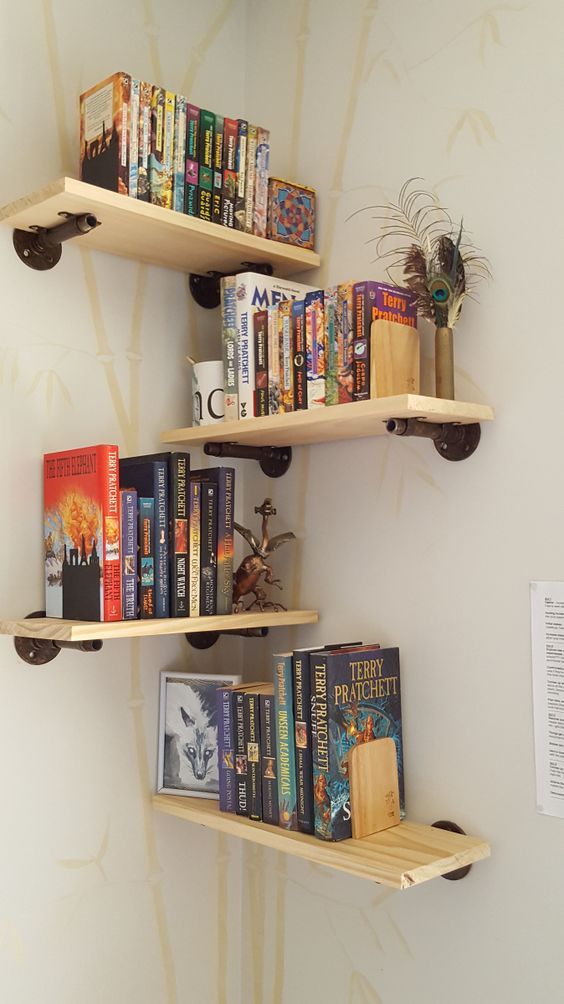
(241, 790)
(315, 348)
(208, 549)
(229, 190)
(260, 205)
(149, 476)
(285, 741)
(299, 355)
(329, 316)
(256, 292)
(285, 350)
(179, 171)
(195, 494)
(226, 750)
(224, 478)
(344, 342)
(144, 145)
(82, 534)
(104, 133)
(250, 175)
(134, 139)
(128, 530)
(162, 128)
(260, 326)
(205, 161)
(357, 699)
(273, 356)
(374, 301)
(228, 288)
(191, 194)
(146, 507)
(241, 169)
(269, 781)
(217, 170)
(251, 725)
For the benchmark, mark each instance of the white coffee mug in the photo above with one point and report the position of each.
(208, 406)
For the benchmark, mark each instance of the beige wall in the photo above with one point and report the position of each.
(100, 902)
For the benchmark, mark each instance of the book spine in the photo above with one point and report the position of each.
(252, 746)
(156, 167)
(230, 348)
(304, 769)
(286, 355)
(146, 557)
(241, 168)
(361, 344)
(329, 315)
(315, 349)
(134, 139)
(274, 391)
(320, 748)
(195, 518)
(125, 112)
(160, 494)
(191, 193)
(285, 751)
(260, 207)
(250, 177)
(225, 539)
(129, 521)
(178, 538)
(229, 191)
(226, 750)
(144, 154)
(269, 781)
(179, 154)
(344, 342)
(208, 549)
(168, 151)
(205, 162)
(299, 355)
(217, 169)
(242, 808)
(246, 358)
(260, 328)
(111, 568)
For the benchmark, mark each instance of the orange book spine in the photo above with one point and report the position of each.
(111, 534)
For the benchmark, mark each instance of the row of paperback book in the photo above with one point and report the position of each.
(288, 347)
(283, 746)
(136, 537)
(147, 142)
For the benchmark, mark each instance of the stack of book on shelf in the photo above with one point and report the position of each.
(144, 141)
(284, 746)
(288, 347)
(136, 537)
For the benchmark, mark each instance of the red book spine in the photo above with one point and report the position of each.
(111, 533)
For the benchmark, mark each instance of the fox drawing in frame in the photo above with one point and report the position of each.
(188, 747)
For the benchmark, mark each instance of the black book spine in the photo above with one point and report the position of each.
(304, 770)
(251, 724)
(269, 781)
(217, 170)
(240, 753)
(179, 480)
(260, 329)
(299, 357)
(208, 546)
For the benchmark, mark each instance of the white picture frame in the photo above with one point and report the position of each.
(187, 761)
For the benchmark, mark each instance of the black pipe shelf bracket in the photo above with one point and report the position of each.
(458, 873)
(452, 440)
(40, 651)
(205, 639)
(41, 247)
(274, 461)
(205, 289)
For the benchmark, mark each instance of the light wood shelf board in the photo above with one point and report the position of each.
(151, 234)
(403, 856)
(324, 425)
(56, 629)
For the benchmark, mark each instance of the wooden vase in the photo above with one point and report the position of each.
(444, 364)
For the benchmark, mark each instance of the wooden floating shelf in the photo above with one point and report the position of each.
(325, 425)
(151, 234)
(403, 856)
(56, 629)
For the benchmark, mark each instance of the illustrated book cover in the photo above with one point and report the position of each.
(82, 534)
(104, 133)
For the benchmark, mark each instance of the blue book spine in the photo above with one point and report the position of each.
(304, 769)
(285, 742)
(179, 169)
(129, 554)
(226, 751)
(162, 598)
(146, 557)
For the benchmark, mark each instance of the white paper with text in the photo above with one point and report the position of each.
(547, 636)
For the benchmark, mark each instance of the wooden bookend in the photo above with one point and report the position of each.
(373, 777)
(394, 359)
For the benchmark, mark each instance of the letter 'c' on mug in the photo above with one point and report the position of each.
(207, 392)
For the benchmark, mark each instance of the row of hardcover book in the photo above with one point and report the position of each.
(136, 537)
(147, 142)
(283, 746)
(288, 347)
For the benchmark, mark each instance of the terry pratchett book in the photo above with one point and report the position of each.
(82, 534)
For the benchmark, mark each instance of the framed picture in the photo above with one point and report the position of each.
(188, 721)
